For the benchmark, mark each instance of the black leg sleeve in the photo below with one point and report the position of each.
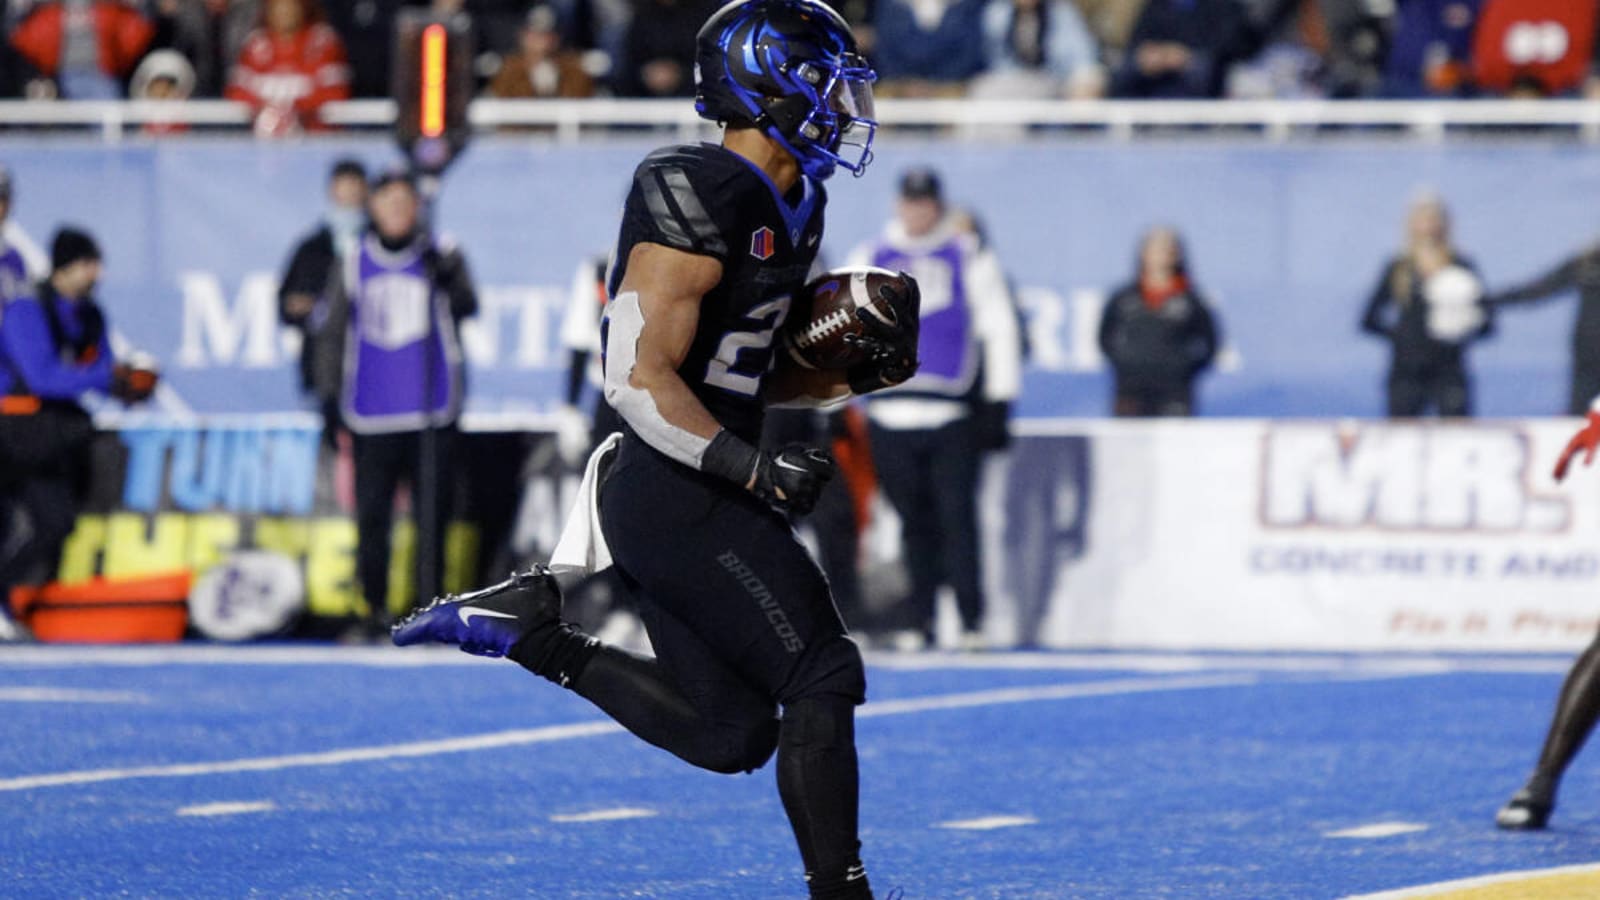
(635, 691)
(1576, 712)
(818, 783)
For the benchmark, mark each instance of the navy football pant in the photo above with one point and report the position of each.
(741, 623)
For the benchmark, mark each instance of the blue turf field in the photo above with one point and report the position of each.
(381, 773)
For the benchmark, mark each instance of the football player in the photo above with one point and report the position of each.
(715, 240)
(1577, 707)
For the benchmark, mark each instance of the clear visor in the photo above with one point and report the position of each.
(850, 91)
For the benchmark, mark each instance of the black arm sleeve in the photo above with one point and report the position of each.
(1109, 321)
(456, 281)
(1372, 319)
(1562, 278)
(307, 273)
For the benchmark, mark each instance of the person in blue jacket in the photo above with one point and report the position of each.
(54, 347)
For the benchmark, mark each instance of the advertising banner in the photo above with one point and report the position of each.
(1305, 534)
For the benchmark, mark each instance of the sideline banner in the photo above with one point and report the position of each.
(1304, 534)
(170, 496)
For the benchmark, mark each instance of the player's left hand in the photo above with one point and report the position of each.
(1587, 439)
(793, 478)
(891, 347)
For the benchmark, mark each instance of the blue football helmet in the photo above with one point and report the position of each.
(791, 69)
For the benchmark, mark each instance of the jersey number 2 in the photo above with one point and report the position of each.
(723, 369)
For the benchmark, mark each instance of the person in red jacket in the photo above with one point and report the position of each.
(89, 47)
(290, 65)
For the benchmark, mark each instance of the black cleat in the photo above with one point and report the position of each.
(1527, 810)
(486, 622)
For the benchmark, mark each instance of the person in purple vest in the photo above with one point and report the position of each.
(408, 291)
(927, 434)
(21, 261)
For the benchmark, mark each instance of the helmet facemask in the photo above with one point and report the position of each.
(830, 121)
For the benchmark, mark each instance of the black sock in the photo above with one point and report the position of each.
(555, 650)
(818, 782)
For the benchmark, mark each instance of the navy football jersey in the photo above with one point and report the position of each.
(708, 200)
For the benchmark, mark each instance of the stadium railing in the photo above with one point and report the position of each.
(569, 120)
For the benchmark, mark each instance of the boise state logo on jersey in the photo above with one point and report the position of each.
(762, 243)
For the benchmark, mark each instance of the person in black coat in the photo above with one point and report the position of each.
(315, 272)
(1428, 304)
(1158, 332)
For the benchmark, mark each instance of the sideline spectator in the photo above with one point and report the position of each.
(313, 283)
(1429, 55)
(1182, 49)
(1111, 22)
(21, 261)
(209, 33)
(1038, 49)
(1357, 45)
(1580, 272)
(1158, 332)
(927, 435)
(658, 50)
(290, 66)
(541, 67)
(54, 346)
(927, 48)
(1428, 305)
(89, 47)
(408, 293)
(163, 76)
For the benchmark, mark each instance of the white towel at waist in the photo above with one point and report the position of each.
(582, 546)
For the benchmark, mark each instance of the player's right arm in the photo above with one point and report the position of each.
(651, 327)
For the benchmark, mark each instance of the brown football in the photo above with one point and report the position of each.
(825, 311)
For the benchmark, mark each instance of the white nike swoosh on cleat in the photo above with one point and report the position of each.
(467, 612)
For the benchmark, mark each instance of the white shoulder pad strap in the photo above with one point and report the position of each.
(636, 406)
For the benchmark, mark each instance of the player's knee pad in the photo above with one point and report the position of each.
(830, 666)
(744, 747)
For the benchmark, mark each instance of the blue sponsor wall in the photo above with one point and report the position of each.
(1287, 239)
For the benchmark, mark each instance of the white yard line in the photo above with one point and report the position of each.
(606, 815)
(1429, 890)
(327, 758)
(1377, 830)
(519, 737)
(68, 695)
(208, 810)
(989, 823)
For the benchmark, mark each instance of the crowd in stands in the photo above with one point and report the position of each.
(286, 57)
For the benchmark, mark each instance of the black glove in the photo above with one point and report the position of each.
(992, 418)
(891, 347)
(793, 478)
(790, 479)
(133, 383)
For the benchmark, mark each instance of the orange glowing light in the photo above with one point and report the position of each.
(433, 62)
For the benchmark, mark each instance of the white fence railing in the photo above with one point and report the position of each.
(571, 119)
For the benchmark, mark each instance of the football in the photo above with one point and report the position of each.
(825, 312)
